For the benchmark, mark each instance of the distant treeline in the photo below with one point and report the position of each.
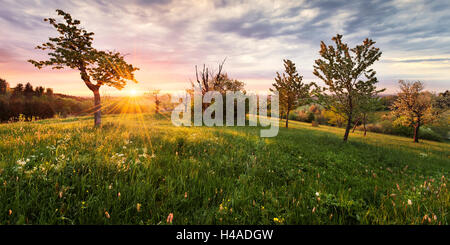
(32, 103)
(37, 103)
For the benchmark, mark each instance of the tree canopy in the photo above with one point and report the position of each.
(73, 49)
(347, 76)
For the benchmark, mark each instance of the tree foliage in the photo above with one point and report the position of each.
(73, 49)
(414, 107)
(291, 89)
(347, 76)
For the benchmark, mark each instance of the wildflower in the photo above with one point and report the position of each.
(110, 186)
(60, 194)
(317, 194)
(409, 202)
(262, 207)
(314, 210)
(434, 217)
(185, 195)
(170, 218)
(276, 220)
(21, 162)
(107, 215)
(9, 212)
(118, 194)
(138, 207)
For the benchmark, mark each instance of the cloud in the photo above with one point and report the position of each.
(166, 39)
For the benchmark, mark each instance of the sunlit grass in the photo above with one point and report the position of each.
(139, 168)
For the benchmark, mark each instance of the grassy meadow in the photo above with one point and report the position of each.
(138, 169)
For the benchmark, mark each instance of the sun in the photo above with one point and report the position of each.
(132, 92)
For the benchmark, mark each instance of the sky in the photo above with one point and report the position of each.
(167, 38)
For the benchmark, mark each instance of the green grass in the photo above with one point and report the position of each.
(73, 174)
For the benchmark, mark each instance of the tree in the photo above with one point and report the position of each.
(442, 101)
(73, 49)
(367, 106)
(155, 94)
(18, 90)
(28, 91)
(291, 90)
(413, 107)
(341, 69)
(39, 91)
(4, 86)
(209, 80)
(49, 92)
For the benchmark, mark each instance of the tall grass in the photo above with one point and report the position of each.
(138, 169)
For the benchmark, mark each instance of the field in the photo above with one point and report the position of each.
(138, 169)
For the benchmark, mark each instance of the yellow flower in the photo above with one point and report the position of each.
(138, 207)
(275, 219)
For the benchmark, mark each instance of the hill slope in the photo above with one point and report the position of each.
(137, 169)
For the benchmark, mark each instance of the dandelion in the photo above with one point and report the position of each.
(170, 218)
(107, 215)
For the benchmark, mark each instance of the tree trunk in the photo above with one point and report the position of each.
(347, 129)
(356, 124)
(416, 132)
(98, 108)
(287, 118)
(364, 123)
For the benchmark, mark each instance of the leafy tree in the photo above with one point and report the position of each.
(3, 86)
(291, 90)
(366, 107)
(28, 90)
(73, 49)
(18, 90)
(442, 101)
(39, 91)
(49, 92)
(414, 107)
(346, 75)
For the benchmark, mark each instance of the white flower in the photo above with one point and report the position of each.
(21, 162)
(409, 202)
(317, 194)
